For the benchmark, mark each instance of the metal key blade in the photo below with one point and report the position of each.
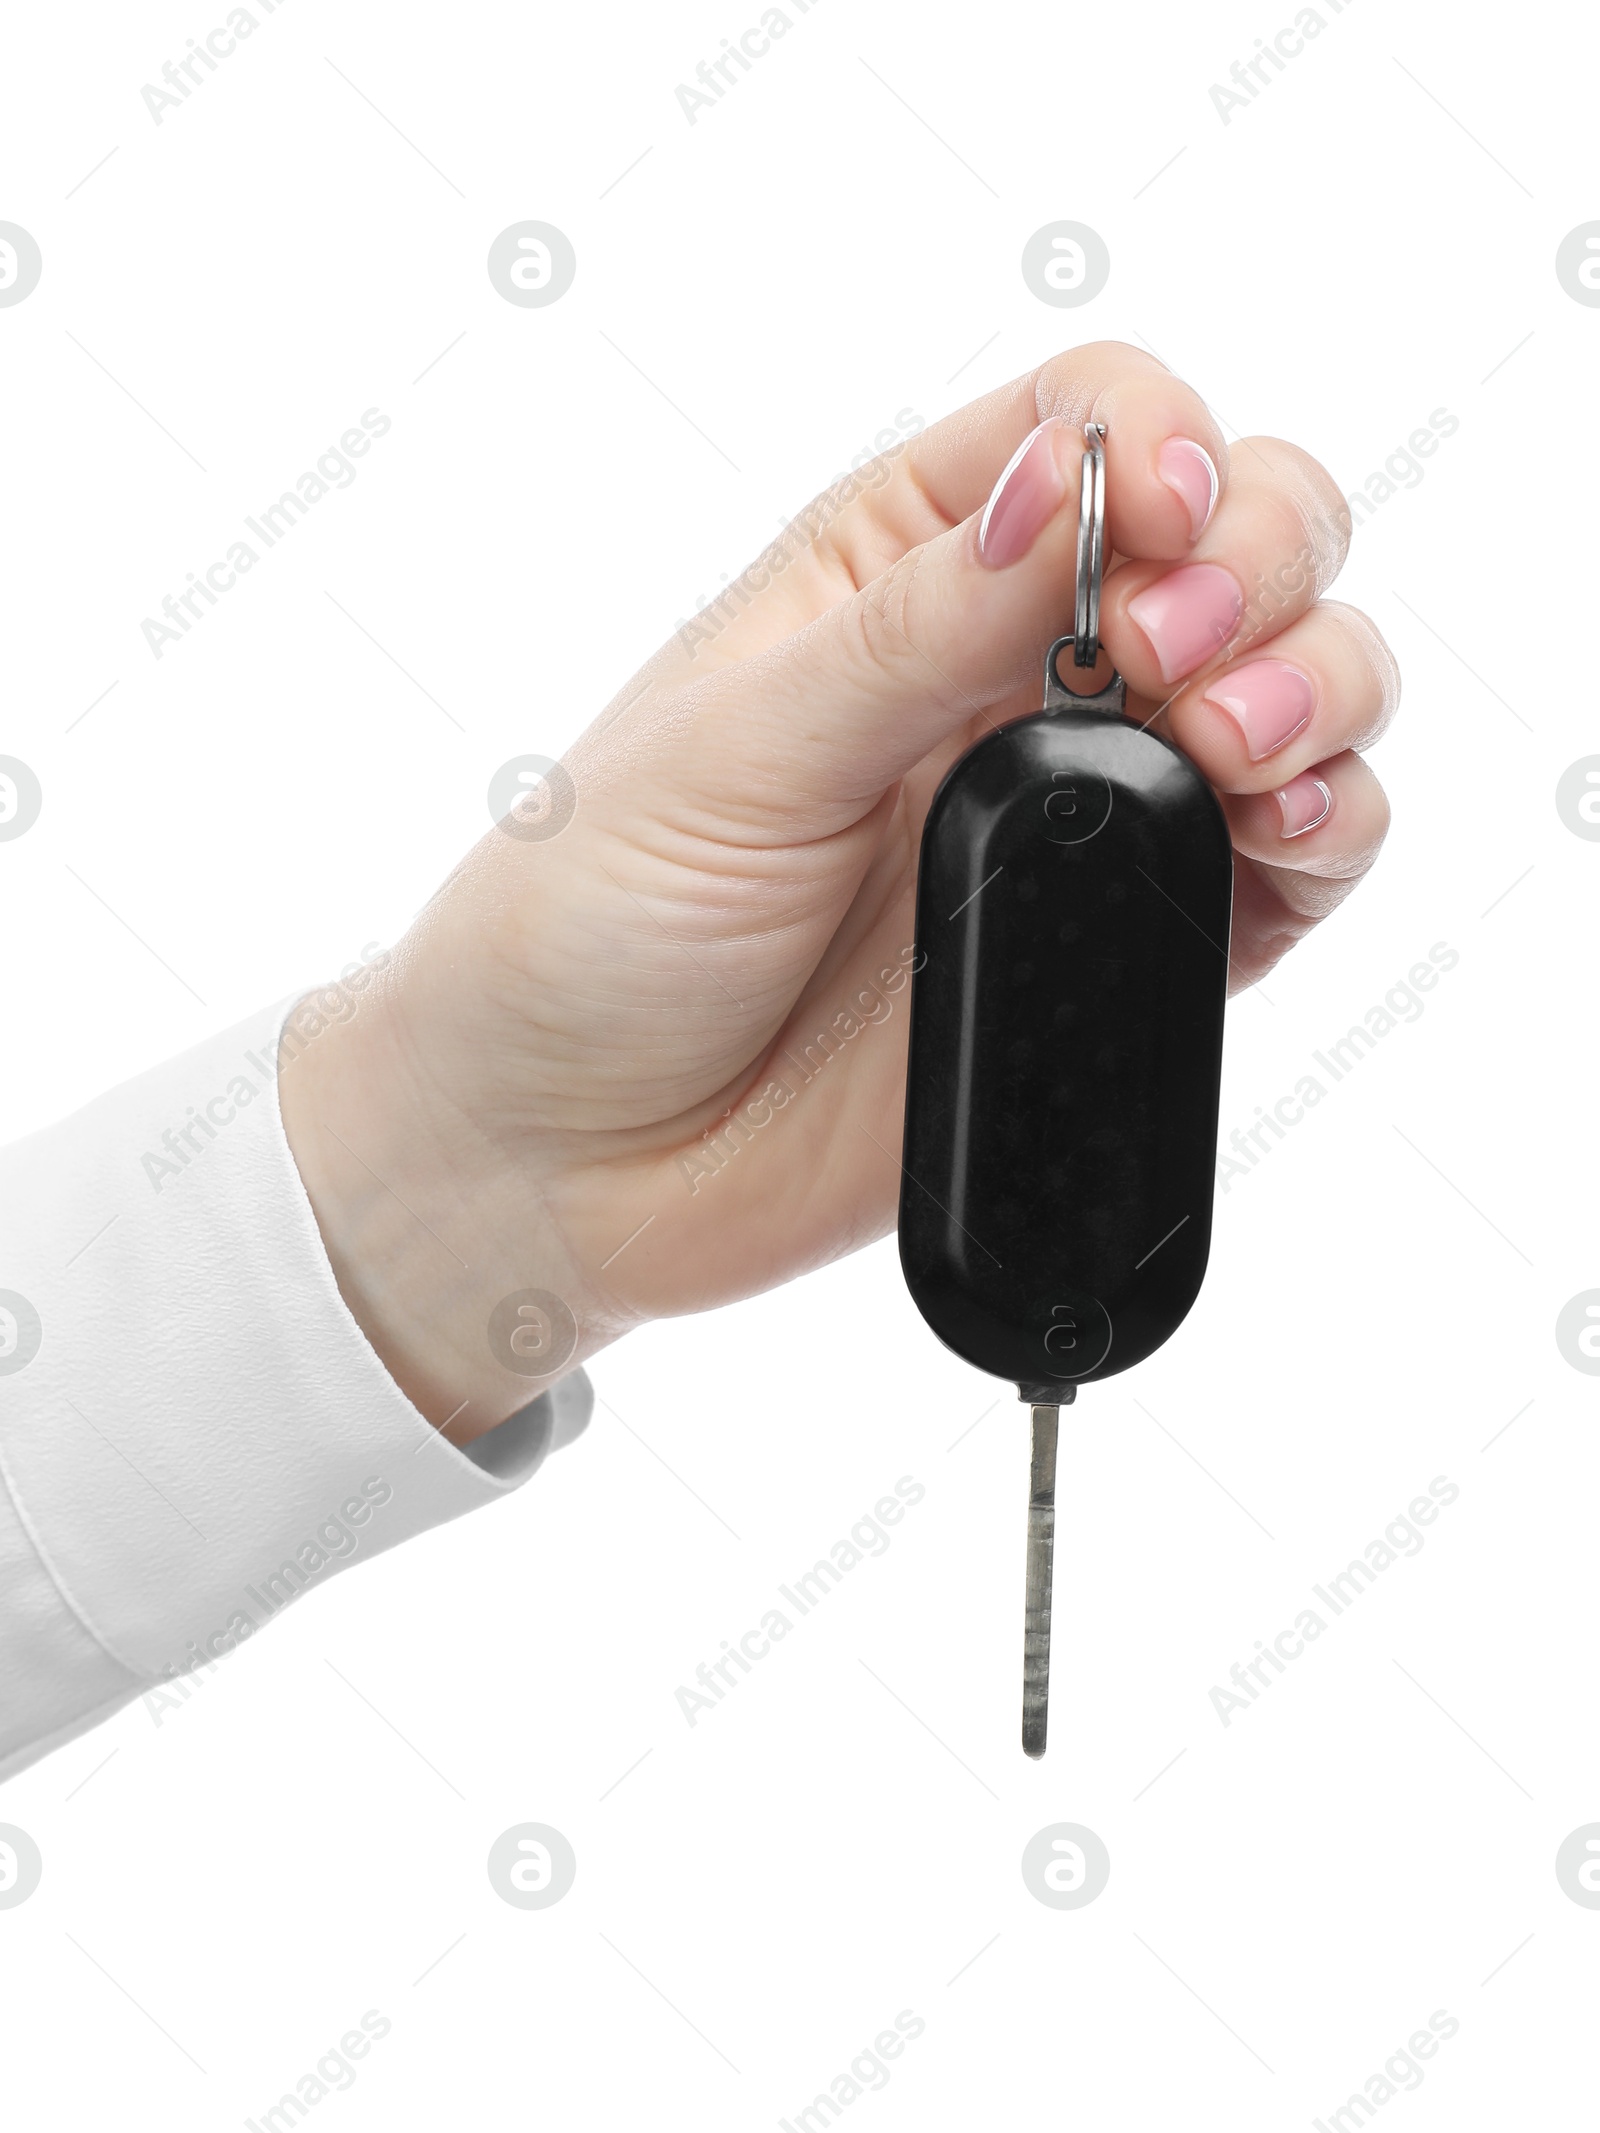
(1041, 1556)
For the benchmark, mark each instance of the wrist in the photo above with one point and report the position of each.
(443, 1243)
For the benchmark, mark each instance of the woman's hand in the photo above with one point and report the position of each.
(655, 1061)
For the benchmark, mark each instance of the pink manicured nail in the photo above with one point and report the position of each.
(1025, 499)
(1188, 615)
(1305, 802)
(1268, 699)
(1187, 470)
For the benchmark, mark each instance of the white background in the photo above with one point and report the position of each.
(1371, 239)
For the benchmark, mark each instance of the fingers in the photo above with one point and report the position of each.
(1167, 465)
(1300, 850)
(801, 741)
(1326, 683)
(1323, 826)
(798, 741)
(1166, 458)
(1275, 542)
(1276, 734)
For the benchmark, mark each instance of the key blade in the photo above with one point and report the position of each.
(1041, 1559)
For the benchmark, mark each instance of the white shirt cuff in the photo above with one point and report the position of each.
(193, 1428)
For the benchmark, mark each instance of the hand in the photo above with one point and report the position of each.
(595, 1066)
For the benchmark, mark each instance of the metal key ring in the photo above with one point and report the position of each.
(1091, 548)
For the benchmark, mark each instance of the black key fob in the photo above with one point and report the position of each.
(1073, 905)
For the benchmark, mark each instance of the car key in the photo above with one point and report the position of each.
(1074, 896)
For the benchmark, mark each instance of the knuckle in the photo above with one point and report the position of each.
(877, 626)
(1314, 897)
(1355, 854)
(1293, 571)
(1070, 384)
(1324, 514)
(1384, 665)
(1061, 386)
(1361, 674)
(1317, 521)
(1381, 816)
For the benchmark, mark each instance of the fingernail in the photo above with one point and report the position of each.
(1187, 470)
(1305, 802)
(1269, 700)
(1188, 615)
(1025, 498)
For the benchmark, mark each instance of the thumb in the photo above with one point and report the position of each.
(809, 733)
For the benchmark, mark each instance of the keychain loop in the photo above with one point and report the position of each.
(1091, 547)
(1085, 638)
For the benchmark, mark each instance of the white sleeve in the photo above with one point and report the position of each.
(193, 1428)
